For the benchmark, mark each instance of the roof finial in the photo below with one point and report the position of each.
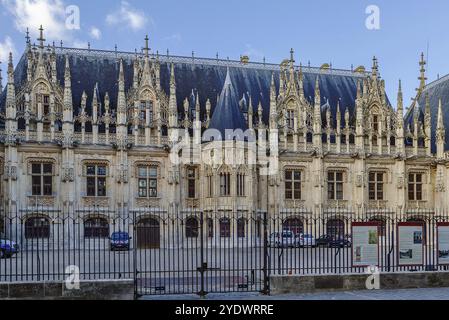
(291, 56)
(146, 49)
(41, 37)
(27, 37)
(422, 78)
(375, 66)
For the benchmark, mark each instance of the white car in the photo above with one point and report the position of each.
(285, 239)
(305, 240)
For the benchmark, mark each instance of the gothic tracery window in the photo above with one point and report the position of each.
(41, 179)
(96, 180)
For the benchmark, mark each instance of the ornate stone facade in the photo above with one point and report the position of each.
(333, 138)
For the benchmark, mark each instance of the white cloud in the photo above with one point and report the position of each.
(33, 13)
(54, 16)
(127, 15)
(95, 33)
(6, 47)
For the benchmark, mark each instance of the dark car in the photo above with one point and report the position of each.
(334, 241)
(8, 248)
(323, 241)
(340, 242)
(120, 241)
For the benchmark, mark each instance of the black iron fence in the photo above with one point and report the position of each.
(199, 251)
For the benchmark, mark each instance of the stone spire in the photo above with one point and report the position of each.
(301, 82)
(440, 132)
(422, 77)
(250, 112)
(292, 82)
(41, 38)
(95, 104)
(400, 122)
(208, 108)
(317, 122)
(173, 104)
(68, 101)
(428, 126)
(338, 116)
(11, 91)
(121, 101)
(273, 107)
(375, 68)
(68, 98)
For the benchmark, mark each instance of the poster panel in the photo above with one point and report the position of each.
(365, 244)
(443, 243)
(410, 249)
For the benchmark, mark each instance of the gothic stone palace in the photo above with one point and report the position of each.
(93, 128)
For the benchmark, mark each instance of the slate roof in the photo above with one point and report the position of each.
(228, 114)
(205, 76)
(436, 90)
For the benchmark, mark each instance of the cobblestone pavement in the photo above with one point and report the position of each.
(403, 294)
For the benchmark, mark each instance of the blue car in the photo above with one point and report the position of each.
(8, 248)
(120, 241)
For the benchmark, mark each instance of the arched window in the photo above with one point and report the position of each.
(335, 228)
(393, 141)
(96, 228)
(241, 224)
(225, 228)
(192, 227)
(37, 228)
(294, 225)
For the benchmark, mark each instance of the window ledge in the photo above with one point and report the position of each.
(148, 198)
(41, 200)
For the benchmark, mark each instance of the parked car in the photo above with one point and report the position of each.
(305, 240)
(323, 240)
(341, 242)
(120, 241)
(287, 239)
(8, 248)
(274, 240)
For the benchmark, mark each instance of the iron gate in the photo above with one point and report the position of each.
(200, 253)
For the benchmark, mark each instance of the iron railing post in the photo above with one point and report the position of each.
(266, 279)
(202, 293)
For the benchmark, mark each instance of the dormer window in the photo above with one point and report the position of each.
(290, 122)
(144, 105)
(44, 100)
(375, 123)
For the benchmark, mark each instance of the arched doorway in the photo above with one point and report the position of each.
(96, 228)
(148, 234)
(335, 228)
(192, 227)
(294, 225)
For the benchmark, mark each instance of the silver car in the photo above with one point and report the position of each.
(305, 240)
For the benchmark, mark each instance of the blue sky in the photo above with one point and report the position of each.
(319, 31)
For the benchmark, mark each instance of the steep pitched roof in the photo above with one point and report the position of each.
(227, 114)
(436, 90)
(205, 76)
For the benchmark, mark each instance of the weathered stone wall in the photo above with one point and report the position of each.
(308, 284)
(51, 290)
